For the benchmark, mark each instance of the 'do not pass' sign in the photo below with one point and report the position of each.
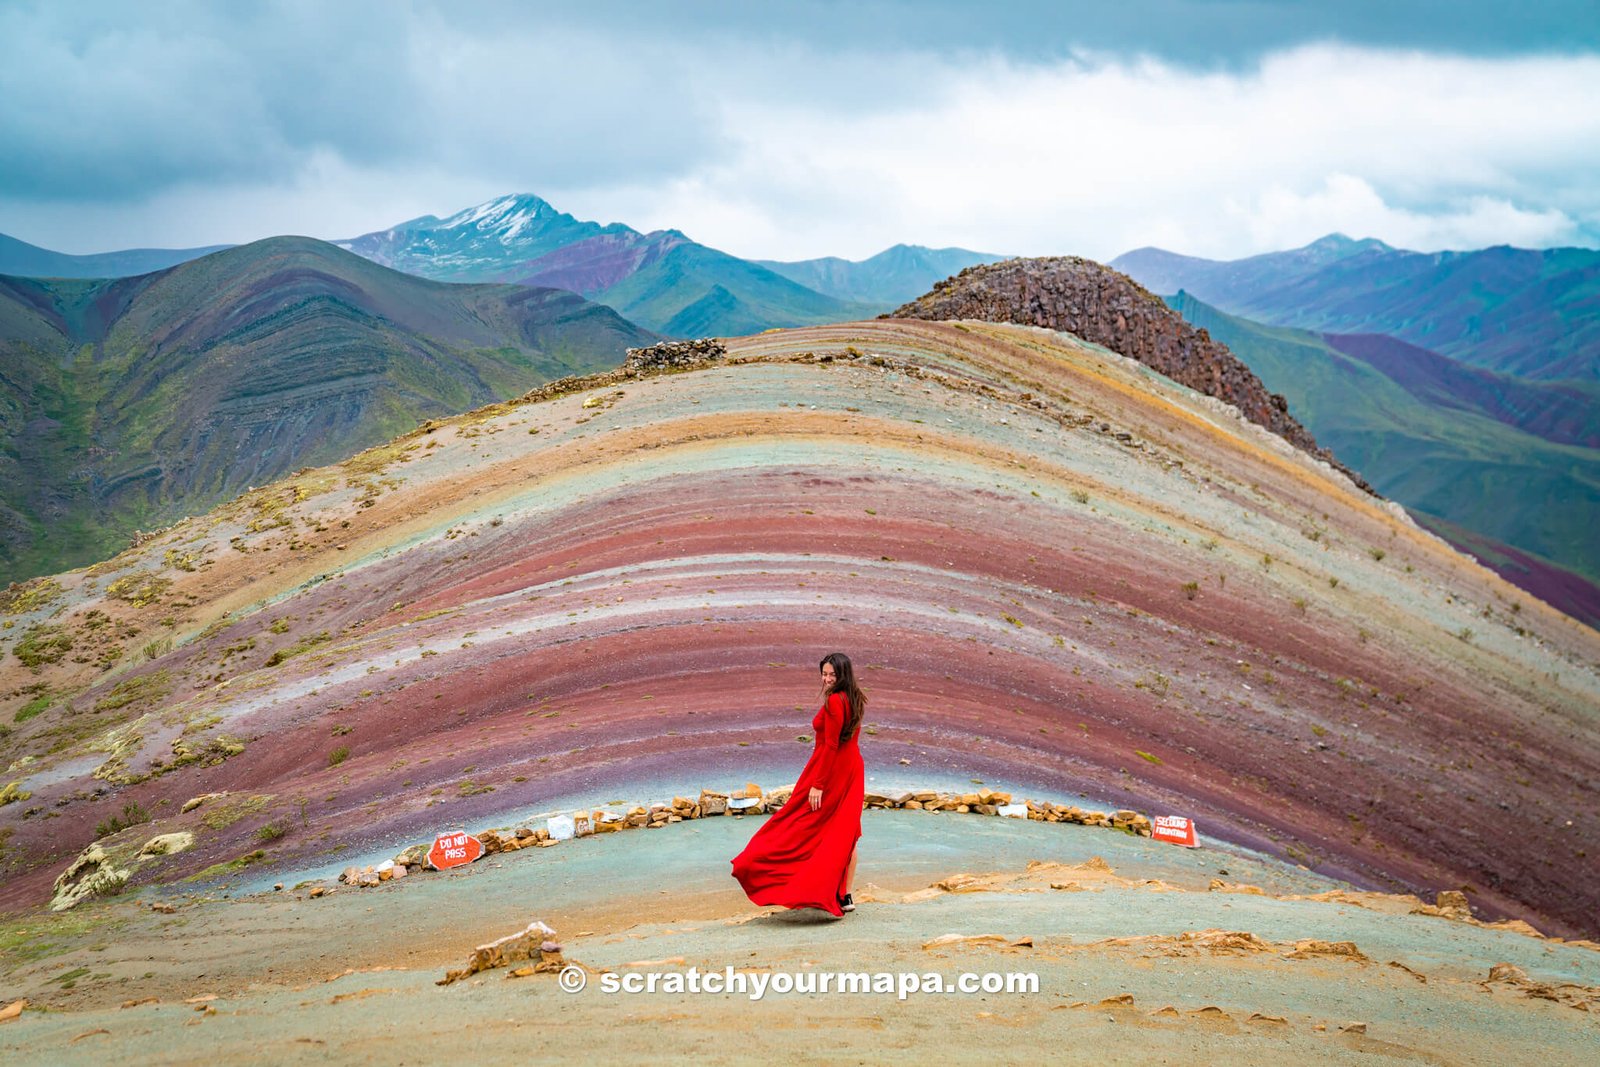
(456, 848)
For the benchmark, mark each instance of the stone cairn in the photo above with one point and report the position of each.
(668, 357)
(673, 355)
(750, 800)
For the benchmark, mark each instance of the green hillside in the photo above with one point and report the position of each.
(695, 290)
(126, 404)
(1458, 465)
(1528, 312)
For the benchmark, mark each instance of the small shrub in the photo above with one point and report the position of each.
(341, 730)
(146, 687)
(1155, 682)
(1191, 590)
(43, 644)
(36, 593)
(33, 707)
(225, 816)
(1080, 496)
(271, 831)
(305, 644)
(139, 590)
(1147, 757)
(338, 756)
(1377, 553)
(232, 866)
(132, 815)
(183, 561)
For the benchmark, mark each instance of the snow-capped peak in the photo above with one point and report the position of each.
(503, 217)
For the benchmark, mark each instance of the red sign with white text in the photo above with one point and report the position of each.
(455, 849)
(1176, 830)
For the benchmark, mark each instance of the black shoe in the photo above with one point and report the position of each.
(847, 903)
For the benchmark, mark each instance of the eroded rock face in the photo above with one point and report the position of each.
(1108, 308)
(167, 844)
(92, 874)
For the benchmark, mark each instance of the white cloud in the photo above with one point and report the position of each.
(783, 149)
(1099, 155)
(1282, 218)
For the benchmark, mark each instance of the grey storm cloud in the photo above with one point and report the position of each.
(116, 101)
(119, 101)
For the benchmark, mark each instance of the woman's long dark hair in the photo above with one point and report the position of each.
(844, 681)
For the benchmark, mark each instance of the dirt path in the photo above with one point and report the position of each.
(1124, 968)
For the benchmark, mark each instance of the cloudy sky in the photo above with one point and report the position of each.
(786, 130)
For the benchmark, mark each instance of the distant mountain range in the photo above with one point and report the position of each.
(1466, 385)
(1491, 462)
(890, 278)
(1532, 313)
(21, 259)
(661, 280)
(127, 403)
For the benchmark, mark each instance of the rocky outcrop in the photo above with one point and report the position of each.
(1108, 308)
(92, 874)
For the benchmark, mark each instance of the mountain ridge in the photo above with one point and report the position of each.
(889, 277)
(523, 239)
(126, 403)
(21, 259)
(1527, 312)
(1106, 307)
(1529, 493)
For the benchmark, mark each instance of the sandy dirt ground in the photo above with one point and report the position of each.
(1138, 954)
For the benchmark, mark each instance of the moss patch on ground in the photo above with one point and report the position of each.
(226, 867)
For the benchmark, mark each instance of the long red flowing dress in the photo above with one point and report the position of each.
(798, 857)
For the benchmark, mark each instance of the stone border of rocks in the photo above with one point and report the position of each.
(750, 800)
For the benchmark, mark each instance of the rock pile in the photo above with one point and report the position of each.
(1106, 307)
(673, 355)
(664, 358)
(534, 946)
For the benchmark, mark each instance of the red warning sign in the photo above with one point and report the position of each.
(454, 849)
(1176, 830)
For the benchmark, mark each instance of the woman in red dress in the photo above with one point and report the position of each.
(805, 855)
